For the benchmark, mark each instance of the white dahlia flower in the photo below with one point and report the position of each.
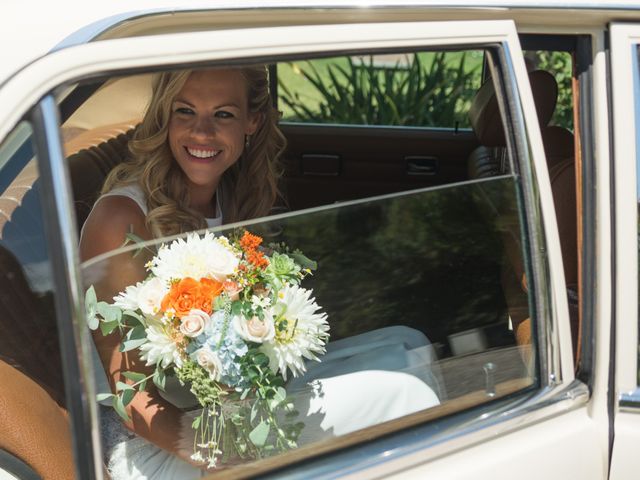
(300, 331)
(160, 348)
(195, 257)
(128, 300)
(150, 295)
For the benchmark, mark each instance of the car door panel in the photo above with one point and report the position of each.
(327, 164)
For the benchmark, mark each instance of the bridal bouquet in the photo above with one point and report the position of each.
(229, 320)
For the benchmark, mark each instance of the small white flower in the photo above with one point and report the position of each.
(197, 457)
(254, 329)
(262, 302)
(160, 347)
(150, 295)
(208, 360)
(196, 257)
(301, 332)
(194, 323)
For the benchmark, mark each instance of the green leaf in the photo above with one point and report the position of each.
(134, 318)
(134, 339)
(103, 396)
(258, 435)
(118, 406)
(107, 327)
(279, 397)
(135, 376)
(159, 378)
(110, 313)
(196, 422)
(123, 386)
(127, 396)
(303, 260)
(90, 305)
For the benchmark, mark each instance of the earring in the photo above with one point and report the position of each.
(247, 141)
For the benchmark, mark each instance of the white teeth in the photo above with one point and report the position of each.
(203, 153)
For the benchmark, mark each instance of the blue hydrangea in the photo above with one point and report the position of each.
(229, 350)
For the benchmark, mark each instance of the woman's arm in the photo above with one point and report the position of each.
(105, 230)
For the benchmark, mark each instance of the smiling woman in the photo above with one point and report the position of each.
(192, 115)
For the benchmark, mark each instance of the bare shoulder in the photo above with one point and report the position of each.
(110, 220)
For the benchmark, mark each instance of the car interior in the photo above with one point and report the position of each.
(386, 178)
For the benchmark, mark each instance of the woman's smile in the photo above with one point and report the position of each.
(202, 153)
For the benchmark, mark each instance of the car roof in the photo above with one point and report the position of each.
(32, 28)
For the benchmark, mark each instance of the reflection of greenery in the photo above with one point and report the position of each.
(433, 90)
(430, 260)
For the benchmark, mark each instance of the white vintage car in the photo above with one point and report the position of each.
(464, 169)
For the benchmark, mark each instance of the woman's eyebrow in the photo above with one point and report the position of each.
(228, 104)
(179, 100)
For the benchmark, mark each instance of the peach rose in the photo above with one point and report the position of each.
(194, 323)
(254, 329)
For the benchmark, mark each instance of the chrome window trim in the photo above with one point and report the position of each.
(630, 401)
(60, 228)
(519, 147)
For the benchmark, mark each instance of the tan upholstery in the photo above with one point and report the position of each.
(484, 113)
(96, 152)
(34, 428)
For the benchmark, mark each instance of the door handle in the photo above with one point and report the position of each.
(422, 165)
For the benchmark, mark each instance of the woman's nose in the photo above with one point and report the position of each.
(203, 127)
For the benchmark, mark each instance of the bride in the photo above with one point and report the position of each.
(205, 154)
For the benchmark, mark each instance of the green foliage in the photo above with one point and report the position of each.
(434, 90)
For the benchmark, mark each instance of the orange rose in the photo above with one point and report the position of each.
(209, 290)
(189, 294)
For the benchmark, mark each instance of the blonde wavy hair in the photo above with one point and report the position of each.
(248, 189)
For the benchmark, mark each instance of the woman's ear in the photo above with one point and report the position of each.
(255, 119)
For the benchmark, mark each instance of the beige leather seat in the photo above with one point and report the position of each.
(35, 429)
(91, 156)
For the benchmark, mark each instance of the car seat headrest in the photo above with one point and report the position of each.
(484, 113)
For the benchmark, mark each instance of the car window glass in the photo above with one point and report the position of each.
(421, 300)
(426, 89)
(32, 376)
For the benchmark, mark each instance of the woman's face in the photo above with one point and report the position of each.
(209, 121)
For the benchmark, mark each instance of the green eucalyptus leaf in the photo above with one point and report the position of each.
(159, 378)
(118, 406)
(107, 327)
(90, 305)
(258, 435)
(109, 313)
(104, 396)
(134, 339)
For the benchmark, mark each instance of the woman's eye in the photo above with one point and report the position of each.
(223, 114)
(184, 111)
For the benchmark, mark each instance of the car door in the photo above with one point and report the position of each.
(625, 70)
(496, 431)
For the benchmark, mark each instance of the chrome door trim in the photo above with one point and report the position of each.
(630, 401)
(60, 228)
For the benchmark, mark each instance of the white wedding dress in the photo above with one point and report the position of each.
(361, 381)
